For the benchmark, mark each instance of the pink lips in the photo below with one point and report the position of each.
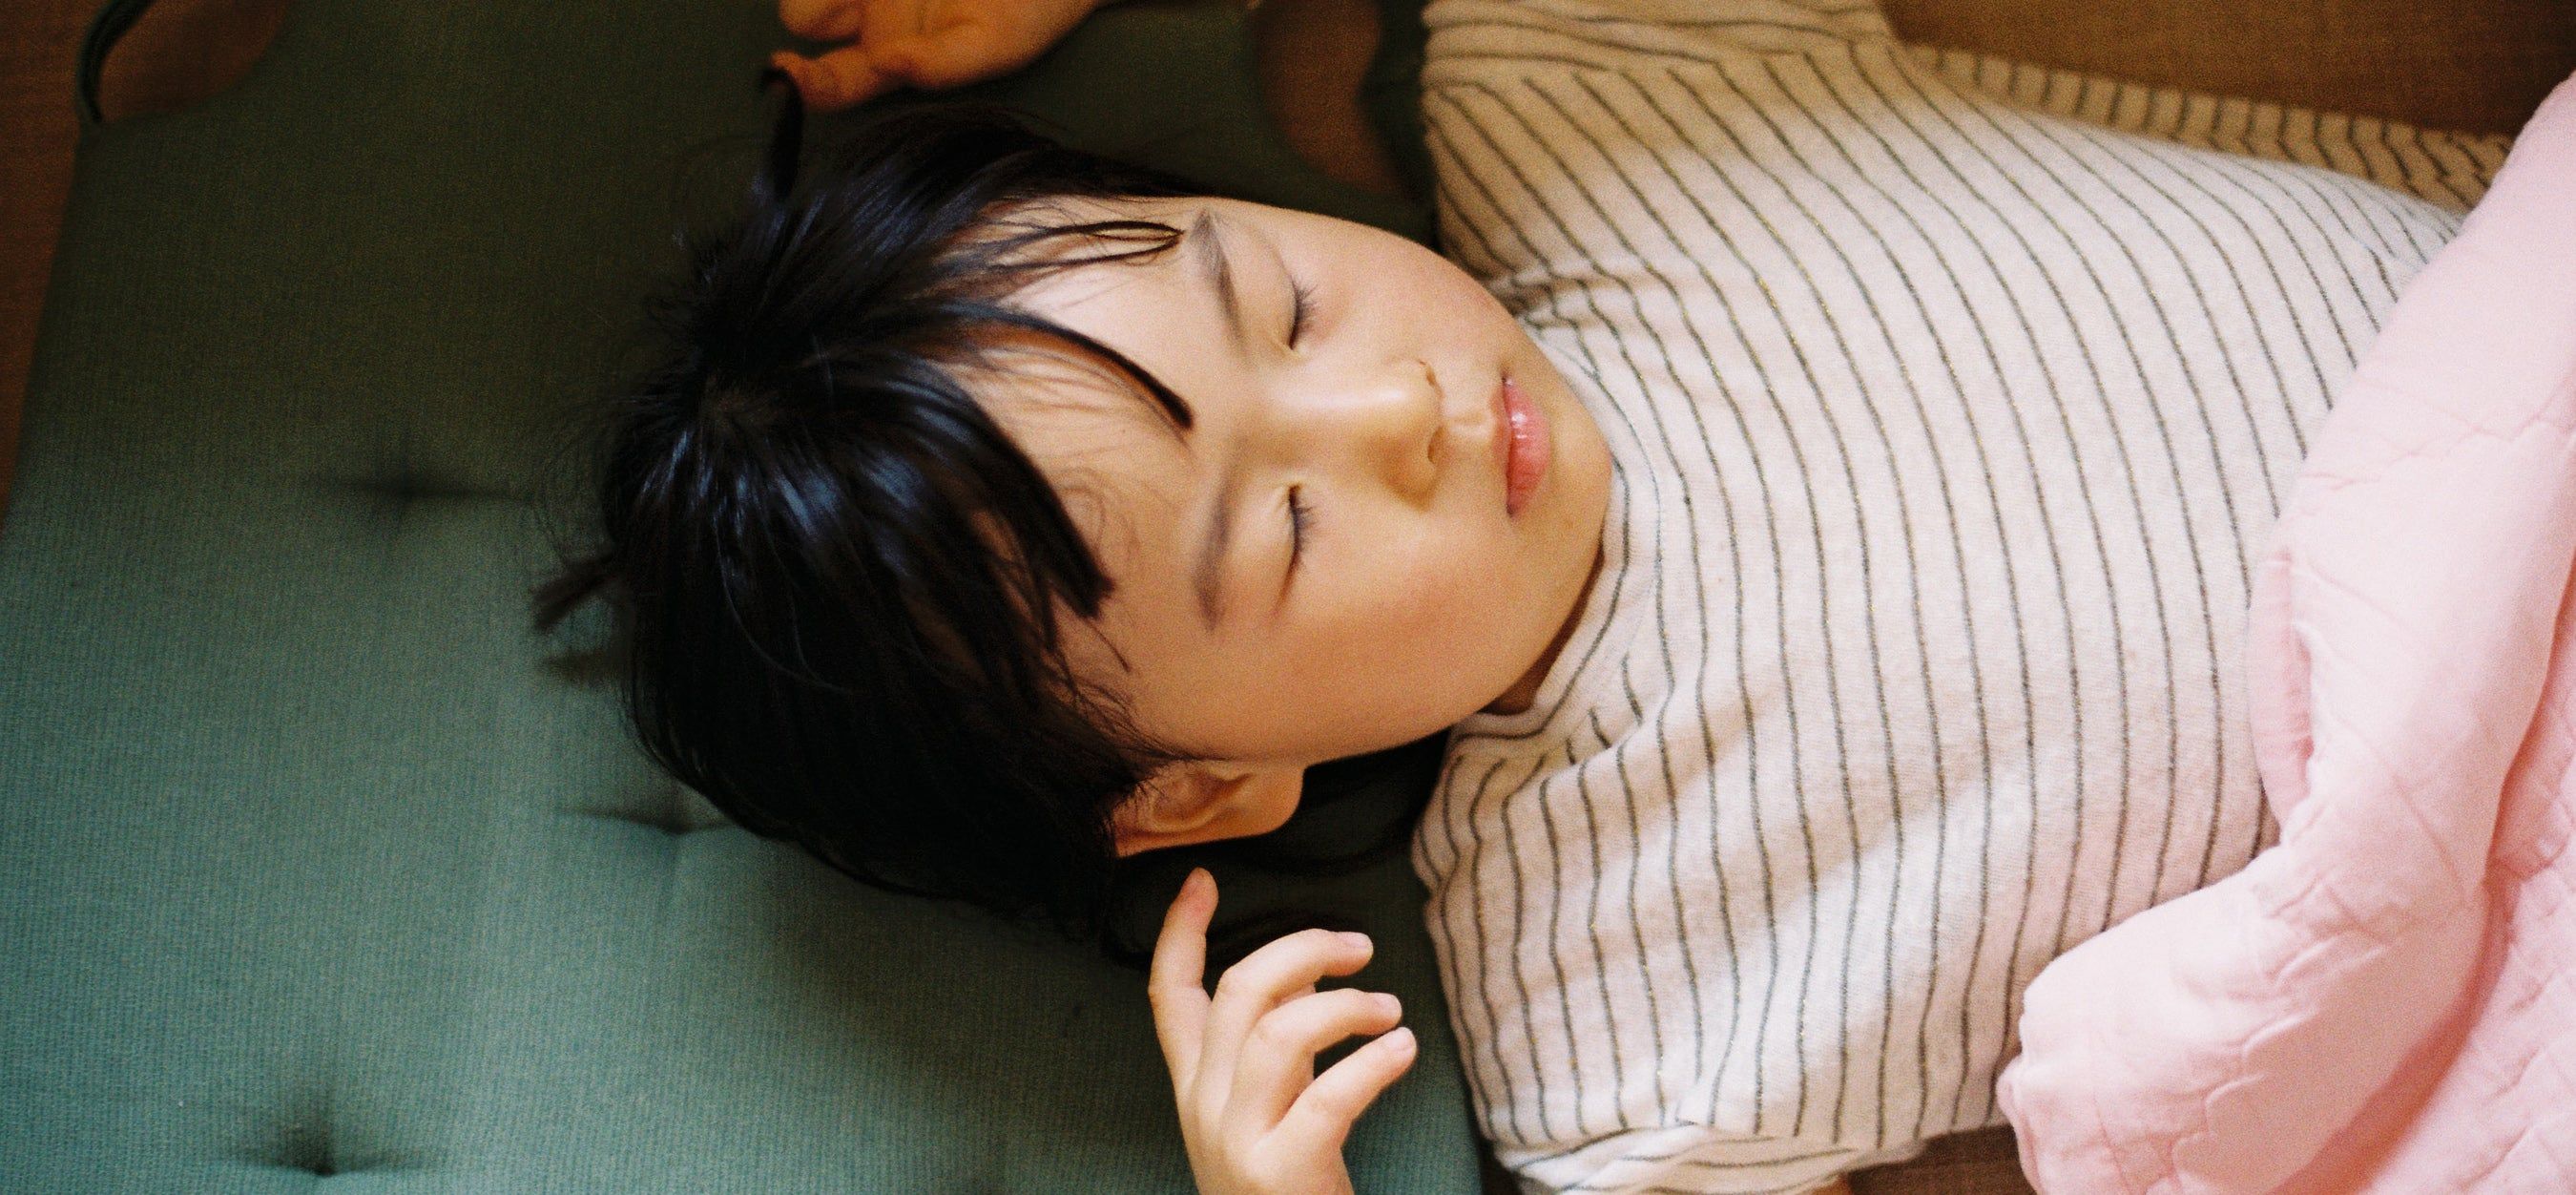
(1523, 445)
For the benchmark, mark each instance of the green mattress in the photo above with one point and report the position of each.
(318, 861)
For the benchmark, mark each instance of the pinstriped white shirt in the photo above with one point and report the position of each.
(1945, 431)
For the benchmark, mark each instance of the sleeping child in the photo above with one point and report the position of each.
(1815, 497)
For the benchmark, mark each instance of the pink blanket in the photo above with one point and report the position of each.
(2385, 1002)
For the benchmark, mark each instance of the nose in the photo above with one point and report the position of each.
(1385, 422)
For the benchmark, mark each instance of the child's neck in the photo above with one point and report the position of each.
(1524, 692)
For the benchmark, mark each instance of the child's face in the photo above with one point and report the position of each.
(1422, 587)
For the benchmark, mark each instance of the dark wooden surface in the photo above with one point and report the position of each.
(2471, 65)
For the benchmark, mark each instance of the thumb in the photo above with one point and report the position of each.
(838, 79)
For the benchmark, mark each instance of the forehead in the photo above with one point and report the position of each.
(1121, 302)
(1113, 457)
(1116, 453)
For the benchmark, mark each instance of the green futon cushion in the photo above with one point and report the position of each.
(316, 860)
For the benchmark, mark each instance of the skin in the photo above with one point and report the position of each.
(889, 45)
(1415, 598)
(1421, 605)
(1255, 1116)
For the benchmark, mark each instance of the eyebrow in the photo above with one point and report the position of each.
(1206, 243)
(1209, 571)
(1205, 577)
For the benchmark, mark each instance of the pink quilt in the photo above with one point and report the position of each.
(2386, 1001)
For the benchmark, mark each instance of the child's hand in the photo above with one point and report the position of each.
(916, 43)
(1254, 1115)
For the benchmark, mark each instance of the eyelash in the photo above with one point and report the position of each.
(1301, 307)
(1301, 304)
(1298, 514)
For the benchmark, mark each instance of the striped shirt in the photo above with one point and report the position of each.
(1944, 432)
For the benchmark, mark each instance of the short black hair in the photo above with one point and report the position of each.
(837, 580)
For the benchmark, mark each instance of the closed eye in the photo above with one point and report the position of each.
(1298, 513)
(1301, 304)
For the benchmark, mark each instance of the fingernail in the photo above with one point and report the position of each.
(1357, 940)
(1198, 881)
(1399, 1040)
(1387, 1003)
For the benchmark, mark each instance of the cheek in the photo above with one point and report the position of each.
(1401, 275)
(1411, 645)
(1431, 604)
(1456, 287)
(1432, 284)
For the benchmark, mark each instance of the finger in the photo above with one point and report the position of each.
(1278, 1058)
(967, 50)
(1176, 982)
(1317, 1123)
(1258, 984)
(839, 79)
(823, 20)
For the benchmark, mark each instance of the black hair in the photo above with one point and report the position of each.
(837, 582)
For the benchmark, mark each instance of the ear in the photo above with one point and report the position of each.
(1185, 803)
